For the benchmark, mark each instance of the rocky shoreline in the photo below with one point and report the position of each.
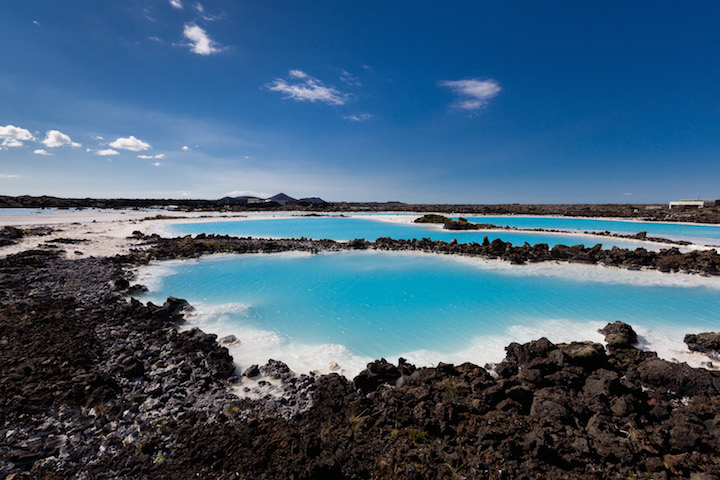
(464, 224)
(96, 386)
(705, 262)
(649, 212)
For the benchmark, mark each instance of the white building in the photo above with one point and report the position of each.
(693, 203)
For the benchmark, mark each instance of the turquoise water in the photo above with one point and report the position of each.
(705, 234)
(25, 211)
(352, 307)
(350, 228)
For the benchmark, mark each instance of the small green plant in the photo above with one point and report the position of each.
(450, 387)
(356, 422)
(232, 410)
(418, 437)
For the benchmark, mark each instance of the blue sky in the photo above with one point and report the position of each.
(467, 101)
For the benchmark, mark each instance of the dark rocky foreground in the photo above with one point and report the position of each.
(95, 386)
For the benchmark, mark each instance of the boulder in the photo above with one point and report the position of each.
(377, 373)
(133, 368)
(619, 335)
(707, 343)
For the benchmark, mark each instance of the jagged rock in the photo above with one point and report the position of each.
(276, 369)
(251, 372)
(707, 343)
(377, 373)
(176, 306)
(137, 289)
(522, 354)
(133, 368)
(229, 340)
(619, 335)
(586, 354)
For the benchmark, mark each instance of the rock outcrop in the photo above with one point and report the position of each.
(707, 343)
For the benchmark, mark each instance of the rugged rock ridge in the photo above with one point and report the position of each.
(705, 262)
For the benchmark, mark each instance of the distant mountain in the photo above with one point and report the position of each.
(282, 199)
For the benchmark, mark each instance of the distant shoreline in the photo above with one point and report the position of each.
(657, 212)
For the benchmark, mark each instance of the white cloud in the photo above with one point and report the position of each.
(13, 136)
(156, 164)
(473, 93)
(358, 118)
(177, 4)
(41, 151)
(246, 193)
(307, 89)
(106, 153)
(54, 139)
(200, 42)
(159, 156)
(298, 74)
(11, 143)
(130, 143)
(98, 137)
(5, 175)
(185, 148)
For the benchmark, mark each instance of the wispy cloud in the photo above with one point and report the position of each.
(362, 117)
(156, 164)
(304, 88)
(55, 138)
(107, 153)
(177, 4)
(159, 156)
(185, 148)
(349, 78)
(200, 42)
(246, 193)
(130, 143)
(41, 151)
(13, 136)
(473, 94)
(205, 15)
(5, 175)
